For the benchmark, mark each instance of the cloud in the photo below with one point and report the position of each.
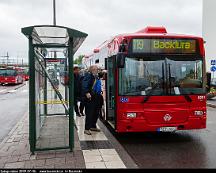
(101, 19)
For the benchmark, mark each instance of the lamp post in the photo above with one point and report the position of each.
(54, 13)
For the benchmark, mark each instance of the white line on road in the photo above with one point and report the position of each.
(3, 90)
(12, 91)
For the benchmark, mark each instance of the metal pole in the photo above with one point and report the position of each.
(7, 58)
(54, 13)
(71, 94)
(55, 55)
(65, 75)
(45, 92)
(17, 60)
(32, 108)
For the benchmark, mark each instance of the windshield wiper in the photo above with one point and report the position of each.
(150, 93)
(155, 86)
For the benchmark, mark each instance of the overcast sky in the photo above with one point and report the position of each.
(100, 19)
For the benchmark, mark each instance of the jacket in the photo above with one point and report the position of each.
(77, 85)
(87, 83)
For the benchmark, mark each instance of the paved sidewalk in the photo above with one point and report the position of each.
(99, 150)
(15, 152)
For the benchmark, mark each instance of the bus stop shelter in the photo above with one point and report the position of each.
(51, 115)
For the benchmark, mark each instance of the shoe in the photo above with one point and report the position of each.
(87, 132)
(82, 114)
(95, 129)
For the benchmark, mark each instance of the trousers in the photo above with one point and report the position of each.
(92, 113)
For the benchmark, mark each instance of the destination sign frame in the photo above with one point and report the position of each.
(163, 46)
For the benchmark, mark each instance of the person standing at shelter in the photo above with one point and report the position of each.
(82, 106)
(77, 90)
(91, 101)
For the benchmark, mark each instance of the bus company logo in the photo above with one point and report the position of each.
(124, 100)
(167, 117)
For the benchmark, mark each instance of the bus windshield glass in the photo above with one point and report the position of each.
(6, 72)
(161, 76)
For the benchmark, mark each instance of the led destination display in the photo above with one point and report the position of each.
(173, 46)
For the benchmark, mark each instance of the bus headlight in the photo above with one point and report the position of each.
(198, 113)
(131, 115)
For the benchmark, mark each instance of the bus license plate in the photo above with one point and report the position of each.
(167, 129)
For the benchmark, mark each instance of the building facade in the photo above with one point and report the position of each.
(209, 32)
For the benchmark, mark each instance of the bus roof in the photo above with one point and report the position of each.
(113, 44)
(149, 31)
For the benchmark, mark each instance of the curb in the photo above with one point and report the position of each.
(12, 130)
(126, 158)
(22, 85)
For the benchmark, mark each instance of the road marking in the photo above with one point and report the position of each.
(3, 90)
(12, 91)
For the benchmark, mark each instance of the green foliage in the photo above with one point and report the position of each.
(79, 60)
(213, 90)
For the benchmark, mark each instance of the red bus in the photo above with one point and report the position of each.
(155, 81)
(11, 76)
(25, 74)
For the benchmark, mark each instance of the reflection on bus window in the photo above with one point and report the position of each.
(6, 72)
(162, 76)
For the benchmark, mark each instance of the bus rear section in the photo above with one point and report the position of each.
(11, 76)
(156, 82)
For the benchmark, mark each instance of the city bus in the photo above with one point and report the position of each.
(25, 74)
(155, 81)
(11, 76)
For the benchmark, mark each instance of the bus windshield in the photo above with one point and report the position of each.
(6, 72)
(161, 76)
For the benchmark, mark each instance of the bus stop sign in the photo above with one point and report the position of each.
(213, 68)
(213, 62)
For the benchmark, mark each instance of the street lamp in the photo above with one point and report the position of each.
(54, 13)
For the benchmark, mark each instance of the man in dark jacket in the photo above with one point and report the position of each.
(82, 106)
(77, 90)
(91, 100)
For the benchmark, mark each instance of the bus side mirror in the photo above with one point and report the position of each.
(120, 58)
(208, 84)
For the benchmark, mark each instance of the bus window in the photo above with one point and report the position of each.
(161, 76)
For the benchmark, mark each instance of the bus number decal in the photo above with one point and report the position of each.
(138, 44)
(201, 97)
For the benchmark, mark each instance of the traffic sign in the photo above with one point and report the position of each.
(213, 62)
(213, 68)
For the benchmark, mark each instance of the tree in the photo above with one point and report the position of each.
(79, 60)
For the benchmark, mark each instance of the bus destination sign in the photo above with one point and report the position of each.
(173, 46)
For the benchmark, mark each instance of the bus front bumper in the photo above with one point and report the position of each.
(138, 125)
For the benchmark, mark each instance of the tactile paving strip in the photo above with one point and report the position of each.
(89, 145)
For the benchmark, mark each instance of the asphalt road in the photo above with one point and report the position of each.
(183, 149)
(13, 105)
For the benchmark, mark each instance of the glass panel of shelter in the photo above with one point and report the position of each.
(52, 123)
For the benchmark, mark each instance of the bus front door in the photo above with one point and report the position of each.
(110, 99)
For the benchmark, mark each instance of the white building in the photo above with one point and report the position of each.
(209, 31)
